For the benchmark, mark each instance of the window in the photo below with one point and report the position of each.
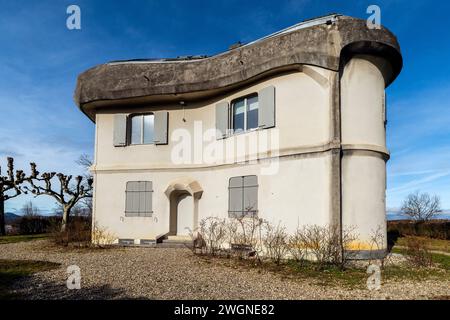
(139, 199)
(243, 196)
(142, 127)
(245, 113)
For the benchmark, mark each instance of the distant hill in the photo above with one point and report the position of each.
(11, 217)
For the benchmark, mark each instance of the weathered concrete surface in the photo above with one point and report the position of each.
(325, 45)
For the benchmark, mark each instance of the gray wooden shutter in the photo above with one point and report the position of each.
(221, 120)
(139, 199)
(266, 107)
(161, 127)
(235, 202)
(120, 130)
(250, 194)
(132, 199)
(148, 198)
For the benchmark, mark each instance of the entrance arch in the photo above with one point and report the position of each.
(183, 195)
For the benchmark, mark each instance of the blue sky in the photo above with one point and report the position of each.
(41, 58)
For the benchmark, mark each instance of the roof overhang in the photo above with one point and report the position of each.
(326, 42)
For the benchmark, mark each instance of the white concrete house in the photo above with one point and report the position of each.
(290, 127)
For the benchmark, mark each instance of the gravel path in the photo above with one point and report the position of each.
(157, 273)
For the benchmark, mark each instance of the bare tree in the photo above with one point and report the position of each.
(29, 210)
(86, 162)
(67, 194)
(421, 206)
(10, 182)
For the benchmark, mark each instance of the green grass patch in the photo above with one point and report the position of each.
(14, 270)
(21, 238)
(351, 277)
(442, 260)
(328, 274)
(434, 244)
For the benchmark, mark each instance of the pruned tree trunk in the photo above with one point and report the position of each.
(2, 216)
(65, 218)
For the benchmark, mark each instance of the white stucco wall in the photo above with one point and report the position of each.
(364, 143)
(298, 193)
(302, 120)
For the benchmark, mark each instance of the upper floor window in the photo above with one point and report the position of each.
(142, 129)
(245, 113)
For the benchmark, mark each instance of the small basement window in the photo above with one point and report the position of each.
(244, 113)
(138, 202)
(142, 129)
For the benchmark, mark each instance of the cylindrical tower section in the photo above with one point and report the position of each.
(364, 156)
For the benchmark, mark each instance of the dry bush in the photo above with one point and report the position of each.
(417, 252)
(78, 232)
(326, 245)
(245, 236)
(377, 241)
(33, 224)
(101, 237)
(212, 235)
(348, 237)
(275, 242)
(297, 246)
(198, 243)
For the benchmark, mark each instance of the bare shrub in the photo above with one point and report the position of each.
(245, 236)
(275, 242)
(377, 242)
(213, 234)
(78, 232)
(297, 246)
(33, 224)
(348, 237)
(417, 252)
(327, 245)
(197, 242)
(101, 237)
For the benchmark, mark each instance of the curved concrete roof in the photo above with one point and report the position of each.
(326, 42)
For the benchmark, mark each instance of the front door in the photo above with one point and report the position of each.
(181, 214)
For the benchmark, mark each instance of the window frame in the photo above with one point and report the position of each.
(244, 213)
(139, 213)
(246, 106)
(130, 122)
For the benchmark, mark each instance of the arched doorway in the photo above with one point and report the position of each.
(183, 195)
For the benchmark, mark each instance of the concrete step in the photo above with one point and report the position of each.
(178, 239)
(174, 245)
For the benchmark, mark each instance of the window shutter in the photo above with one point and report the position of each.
(139, 198)
(148, 208)
(250, 194)
(132, 197)
(161, 127)
(120, 130)
(221, 120)
(235, 197)
(266, 110)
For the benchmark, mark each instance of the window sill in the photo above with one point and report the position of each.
(140, 144)
(233, 134)
(135, 215)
